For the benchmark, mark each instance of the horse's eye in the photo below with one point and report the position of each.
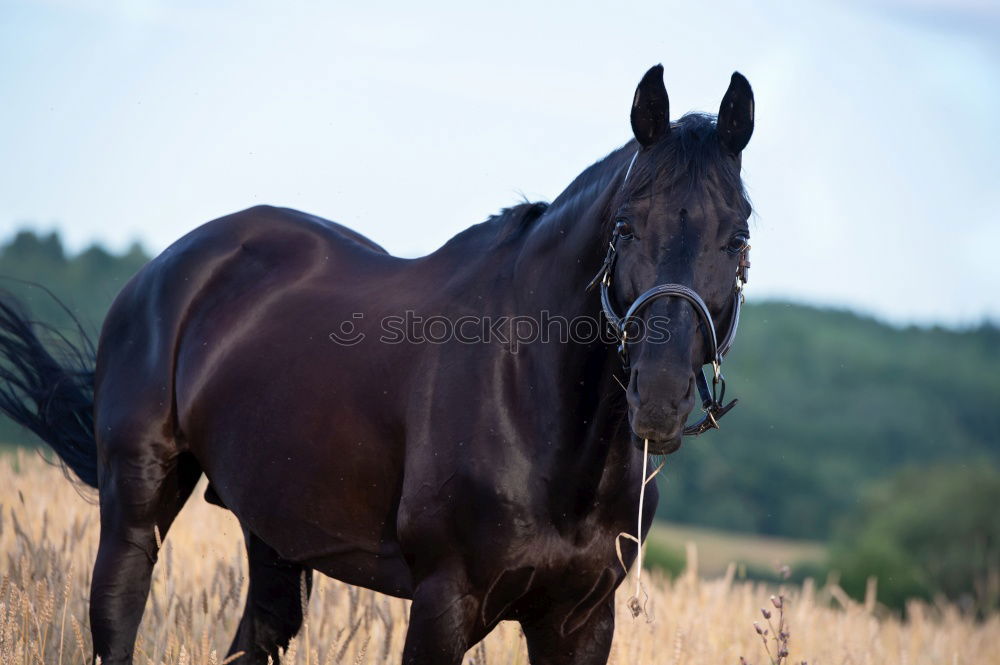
(624, 228)
(737, 243)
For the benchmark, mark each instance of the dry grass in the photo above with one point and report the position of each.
(48, 536)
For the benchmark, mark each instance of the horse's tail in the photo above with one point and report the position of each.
(49, 389)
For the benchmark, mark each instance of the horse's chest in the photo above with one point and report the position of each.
(580, 550)
(564, 577)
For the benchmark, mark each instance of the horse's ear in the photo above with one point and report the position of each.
(651, 108)
(736, 115)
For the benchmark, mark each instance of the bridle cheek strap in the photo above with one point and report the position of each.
(712, 395)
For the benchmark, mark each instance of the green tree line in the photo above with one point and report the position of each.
(830, 402)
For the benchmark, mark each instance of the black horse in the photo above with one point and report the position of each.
(482, 472)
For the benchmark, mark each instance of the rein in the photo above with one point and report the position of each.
(712, 397)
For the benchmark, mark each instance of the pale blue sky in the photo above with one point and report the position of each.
(873, 168)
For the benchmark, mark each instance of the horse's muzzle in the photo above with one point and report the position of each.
(659, 447)
(660, 420)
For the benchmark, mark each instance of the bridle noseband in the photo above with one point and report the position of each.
(712, 397)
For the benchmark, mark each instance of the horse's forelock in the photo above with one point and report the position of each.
(690, 157)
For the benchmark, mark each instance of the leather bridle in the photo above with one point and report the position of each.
(712, 396)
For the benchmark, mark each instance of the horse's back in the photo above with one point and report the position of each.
(289, 215)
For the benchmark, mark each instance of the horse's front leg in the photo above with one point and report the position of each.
(444, 621)
(589, 644)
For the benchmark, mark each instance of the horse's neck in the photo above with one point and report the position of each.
(559, 258)
(541, 272)
(564, 250)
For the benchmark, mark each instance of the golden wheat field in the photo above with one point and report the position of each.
(48, 537)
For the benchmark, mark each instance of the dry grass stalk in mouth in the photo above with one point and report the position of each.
(48, 538)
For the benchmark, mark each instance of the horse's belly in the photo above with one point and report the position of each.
(336, 518)
(291, 452)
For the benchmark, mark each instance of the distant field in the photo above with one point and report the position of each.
(716, 549)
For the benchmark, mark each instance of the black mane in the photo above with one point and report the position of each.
(516, 219)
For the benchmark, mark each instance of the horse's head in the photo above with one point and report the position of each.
(681, 219)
